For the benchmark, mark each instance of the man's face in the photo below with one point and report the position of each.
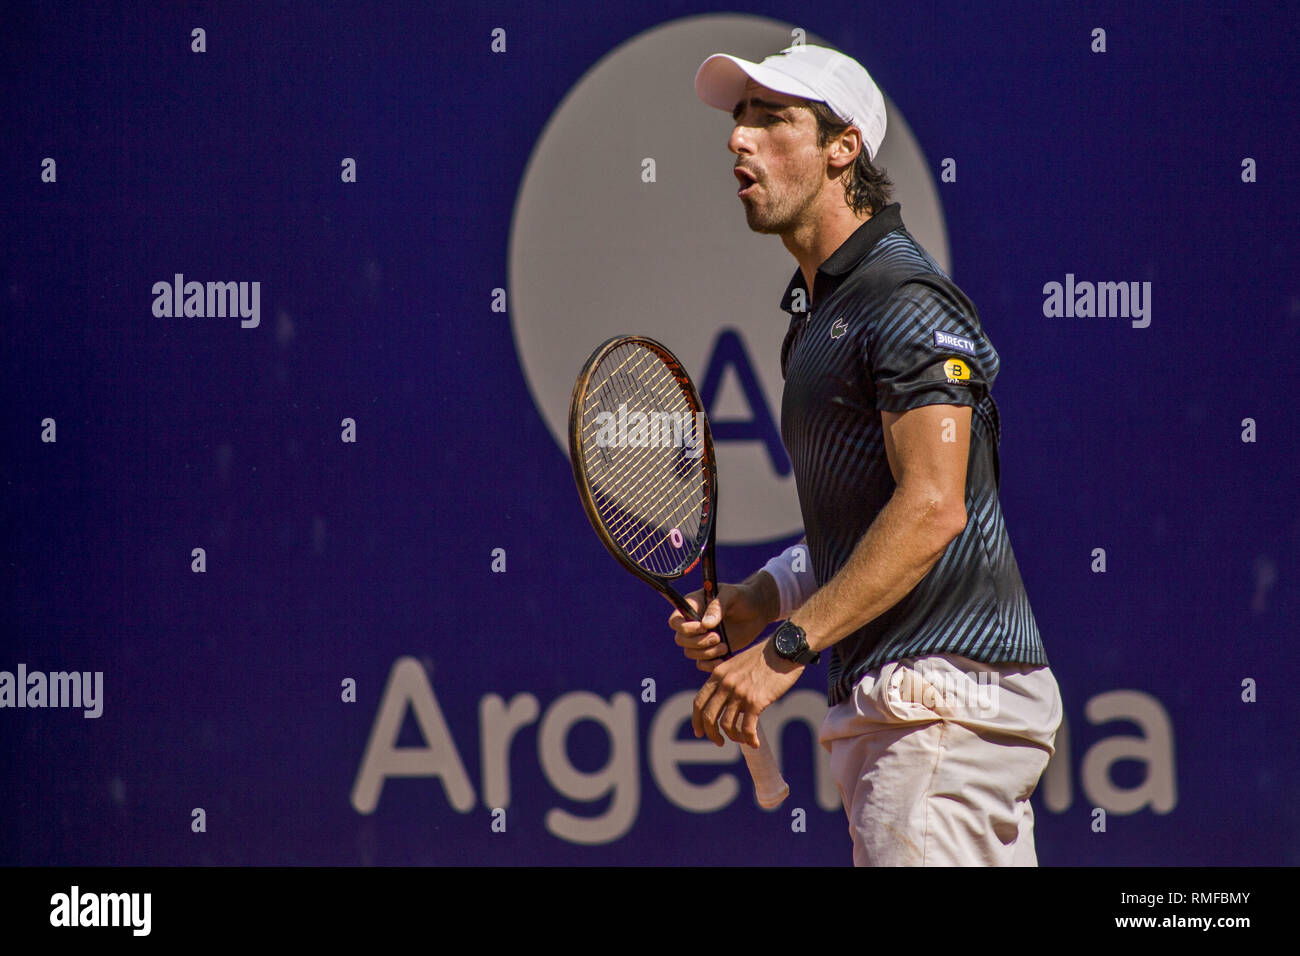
(780, 168)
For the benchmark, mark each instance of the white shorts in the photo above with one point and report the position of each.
(936, 757)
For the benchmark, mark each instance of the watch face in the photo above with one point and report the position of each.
(787, 640)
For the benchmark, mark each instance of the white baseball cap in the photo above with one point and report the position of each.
(811, 72)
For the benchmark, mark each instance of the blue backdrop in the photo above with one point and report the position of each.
(333, 553)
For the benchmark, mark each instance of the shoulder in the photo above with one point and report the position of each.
(931, 291)
(899, 269)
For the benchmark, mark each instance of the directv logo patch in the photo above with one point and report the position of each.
(946, 340)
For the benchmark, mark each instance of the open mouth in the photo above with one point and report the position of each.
(747, 181)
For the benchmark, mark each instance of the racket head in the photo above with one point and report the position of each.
(642, 456)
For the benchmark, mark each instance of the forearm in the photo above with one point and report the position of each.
(764, 595)
(777, 600)
(905, 541)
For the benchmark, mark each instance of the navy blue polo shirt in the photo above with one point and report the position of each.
(885, 329)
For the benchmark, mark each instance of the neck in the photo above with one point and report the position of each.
(812, 242)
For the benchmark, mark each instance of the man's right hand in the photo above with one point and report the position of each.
(746, 608)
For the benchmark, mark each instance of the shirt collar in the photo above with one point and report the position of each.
(851, 252)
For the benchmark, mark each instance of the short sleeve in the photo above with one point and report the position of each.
(926, 347)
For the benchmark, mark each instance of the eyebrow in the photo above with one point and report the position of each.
(766, 104)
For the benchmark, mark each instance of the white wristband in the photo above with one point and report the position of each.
(794, 587)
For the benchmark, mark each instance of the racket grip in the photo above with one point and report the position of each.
(769, 785)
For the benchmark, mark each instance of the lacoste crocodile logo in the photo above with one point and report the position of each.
(838, 328)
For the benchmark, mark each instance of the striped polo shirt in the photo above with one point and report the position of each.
(885, 329)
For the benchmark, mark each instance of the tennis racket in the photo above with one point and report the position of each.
(643, 460)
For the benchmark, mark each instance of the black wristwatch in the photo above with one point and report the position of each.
(791, 642)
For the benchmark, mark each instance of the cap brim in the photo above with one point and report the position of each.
(720, 81)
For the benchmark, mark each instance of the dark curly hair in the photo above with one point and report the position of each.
(866, 188)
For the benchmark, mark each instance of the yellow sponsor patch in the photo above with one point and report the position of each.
(958, 372)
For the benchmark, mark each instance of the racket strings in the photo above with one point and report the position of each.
(630, 466)
(636, 464)
(629, 500)
(652, 496)
(661, 393)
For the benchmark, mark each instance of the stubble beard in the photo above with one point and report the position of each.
(783, 212)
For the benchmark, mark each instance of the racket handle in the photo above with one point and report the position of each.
(768, 782)
(769, 785)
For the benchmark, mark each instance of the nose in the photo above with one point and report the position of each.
(739, 140)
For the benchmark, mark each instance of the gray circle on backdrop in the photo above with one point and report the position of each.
(596, 252)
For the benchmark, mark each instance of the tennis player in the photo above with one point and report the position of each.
(942, 710)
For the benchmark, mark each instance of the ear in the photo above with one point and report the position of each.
(844, 148)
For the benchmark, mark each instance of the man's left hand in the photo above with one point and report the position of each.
(738, 690)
